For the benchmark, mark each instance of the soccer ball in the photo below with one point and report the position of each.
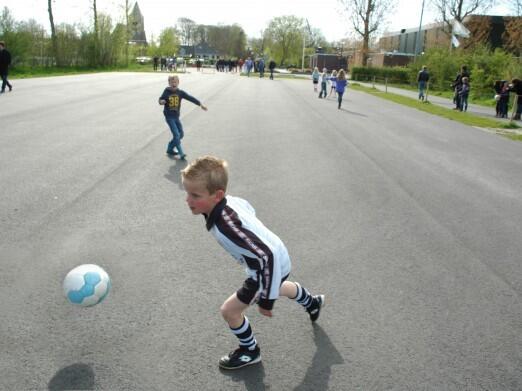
(86, 285)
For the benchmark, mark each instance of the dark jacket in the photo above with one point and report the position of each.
(423, 75)
(5, 60)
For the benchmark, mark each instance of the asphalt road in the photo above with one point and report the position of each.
(408, 223)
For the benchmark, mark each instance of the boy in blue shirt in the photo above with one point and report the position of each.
(233, 223)
(171, 99)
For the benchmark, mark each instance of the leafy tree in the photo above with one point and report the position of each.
(367, 16)
(168, 41)
(285, 38)
(229, 40)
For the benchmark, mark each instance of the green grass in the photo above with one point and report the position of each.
(481, 101)
(465, 118)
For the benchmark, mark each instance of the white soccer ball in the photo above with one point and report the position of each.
(86, 285)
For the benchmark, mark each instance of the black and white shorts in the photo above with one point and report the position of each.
(248, 293)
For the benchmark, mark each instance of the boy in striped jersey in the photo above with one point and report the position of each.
(233, 222)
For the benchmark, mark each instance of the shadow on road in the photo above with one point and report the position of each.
(252, 376)
(174, 174)
(353, 112)
(74, 377)
(318, 373)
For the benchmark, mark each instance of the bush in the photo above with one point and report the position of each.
(394, 75)
(485, 67)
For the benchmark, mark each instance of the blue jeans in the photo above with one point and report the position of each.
(339, 98)
(3, 75)
(422, 87)
(177, 134)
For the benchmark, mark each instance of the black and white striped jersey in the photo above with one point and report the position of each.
(234, 224)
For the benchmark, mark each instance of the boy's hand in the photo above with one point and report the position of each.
(203, 107)
(265, 312)
(162, 101)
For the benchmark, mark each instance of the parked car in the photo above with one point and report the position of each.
(143, 60)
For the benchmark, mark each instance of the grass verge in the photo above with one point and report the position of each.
(465, 118)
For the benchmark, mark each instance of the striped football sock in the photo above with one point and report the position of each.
(303, 296)
(245, 335)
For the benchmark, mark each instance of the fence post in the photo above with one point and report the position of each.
(373, 82)
(386, 84)
(427, 90)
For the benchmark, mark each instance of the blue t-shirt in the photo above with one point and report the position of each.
(341, 85)
(173, 97)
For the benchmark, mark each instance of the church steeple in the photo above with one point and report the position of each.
(137, 26)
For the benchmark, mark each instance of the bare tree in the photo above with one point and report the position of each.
(367, 17)
(450, 10)
(54, 39)
(127, 32)
(516, 7)
(187, 28)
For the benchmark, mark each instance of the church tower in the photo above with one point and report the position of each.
(137, 26)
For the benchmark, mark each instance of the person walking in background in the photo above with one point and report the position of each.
(340, 87)
(457, 84)
(324, 84)
(315, 78)
(5, 62)
(504, 99)
(271, 66)
(464, 94)
(422, 80)
(333, 80)
(249, 64)
(516, 88)
(155, 62)
(261, 68)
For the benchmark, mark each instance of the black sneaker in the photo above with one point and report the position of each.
(183, 157)
(240, 358)
(315, 309)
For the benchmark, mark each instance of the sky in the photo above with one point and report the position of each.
(252, 15)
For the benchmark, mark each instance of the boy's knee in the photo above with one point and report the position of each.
(227, 313)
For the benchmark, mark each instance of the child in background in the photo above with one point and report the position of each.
(315, 78)
(171, 99)
(234, 224)
(333, 79)
(340, 86)
(324, 83)
(464, 94)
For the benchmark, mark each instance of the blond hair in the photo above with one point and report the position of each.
(171, 77)
(209, 170)
(341, 75)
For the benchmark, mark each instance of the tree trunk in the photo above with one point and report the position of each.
(127, 34)
(95, 33)
(54, 39)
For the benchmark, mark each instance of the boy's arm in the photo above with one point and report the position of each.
(190, 98)
(163, 98)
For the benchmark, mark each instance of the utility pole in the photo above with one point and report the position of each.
(417, 41)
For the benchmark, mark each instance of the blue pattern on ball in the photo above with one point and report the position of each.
(91, 280)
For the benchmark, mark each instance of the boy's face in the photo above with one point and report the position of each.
(199, 200)
(173, 82)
